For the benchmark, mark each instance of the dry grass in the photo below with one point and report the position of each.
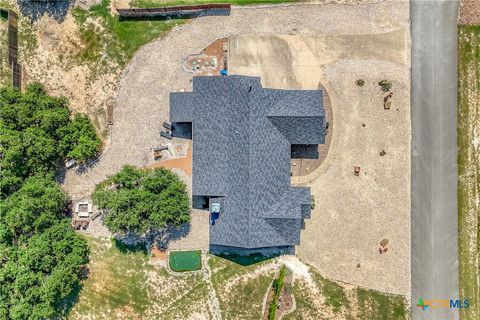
(469, 167)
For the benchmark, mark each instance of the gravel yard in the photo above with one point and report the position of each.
(375, 205)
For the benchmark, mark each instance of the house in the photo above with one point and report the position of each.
(242, 135)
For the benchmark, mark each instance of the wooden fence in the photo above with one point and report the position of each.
(13, 50)
(193, 10)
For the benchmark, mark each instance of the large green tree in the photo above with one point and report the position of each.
(138, 200)
(37, 134)
(41, 257)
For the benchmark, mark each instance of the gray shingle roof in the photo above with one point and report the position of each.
(241, 151)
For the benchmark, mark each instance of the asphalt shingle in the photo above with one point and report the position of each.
(241, 152)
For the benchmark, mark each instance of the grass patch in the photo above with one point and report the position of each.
(169, 3)
(375, 305)
(116, 280)
(116, 40)
(130, 248)
(469, 167)
(305, 304)
(122, 285)
(181, 261)
(240, 292)
(348, 303)
(334, 293)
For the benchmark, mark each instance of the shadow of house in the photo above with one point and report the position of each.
(304, 151)
(35, 9)
(246, 257)
(182, 130)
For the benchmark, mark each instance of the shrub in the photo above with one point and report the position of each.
(386, 85)
(360, 82)
(312, 202)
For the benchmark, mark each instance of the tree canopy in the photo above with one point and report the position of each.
(40, 255)
(38, 133)
(138, 200)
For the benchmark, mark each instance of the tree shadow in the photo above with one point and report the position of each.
(130, 243)
(36, 9)
(123, 247)
(157, 16)
(71, 300)
(163, 237)
(246, 257)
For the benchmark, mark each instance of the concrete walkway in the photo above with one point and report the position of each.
(434, 156)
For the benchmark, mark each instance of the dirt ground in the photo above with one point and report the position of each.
(469, 12)
(375, 205)
(50, 62)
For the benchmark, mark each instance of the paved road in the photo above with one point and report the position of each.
(434, 156)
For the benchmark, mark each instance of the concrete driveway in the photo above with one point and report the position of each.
(343, 234)
(434, 156)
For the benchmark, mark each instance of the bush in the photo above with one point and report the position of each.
(385, 85)
(360, 82)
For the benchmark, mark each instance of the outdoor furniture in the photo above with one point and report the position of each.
(167, 125)
(157, 155)
(166, 135)
(161, 148)
(387, 103)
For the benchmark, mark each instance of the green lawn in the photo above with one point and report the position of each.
(116, 279)
(469, 167)
(166, 3)
(122, 284)
(115, 40)
(181, 261)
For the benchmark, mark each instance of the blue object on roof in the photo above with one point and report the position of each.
(214, 216)
(242, 155)
(224, 72)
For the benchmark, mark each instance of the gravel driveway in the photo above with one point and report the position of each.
(156, 70)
